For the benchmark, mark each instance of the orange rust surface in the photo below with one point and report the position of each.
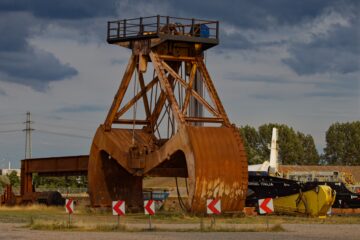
(109, 176)
(250, 211)
(220, 168)
(51, 166)
(215, 161)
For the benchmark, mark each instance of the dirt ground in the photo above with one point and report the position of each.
(292, 231)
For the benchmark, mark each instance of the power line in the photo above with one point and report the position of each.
(11, 114)
(28, 131)
(10, 131)
(63, 134)
(52, 117)
(10, 123)
(62, 126)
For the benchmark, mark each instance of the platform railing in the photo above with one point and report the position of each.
(155, 25)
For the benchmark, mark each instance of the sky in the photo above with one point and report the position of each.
(292, 62)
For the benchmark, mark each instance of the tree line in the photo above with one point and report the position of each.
(45, 182)
(342, 145)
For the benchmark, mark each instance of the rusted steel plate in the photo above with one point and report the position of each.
(220, 166)
(117, 142)
(109, 175)
(215, 161)
(64, 165)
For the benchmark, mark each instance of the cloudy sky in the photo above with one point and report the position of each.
(293, 62)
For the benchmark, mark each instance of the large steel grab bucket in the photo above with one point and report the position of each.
(211, 158)
(179, 101)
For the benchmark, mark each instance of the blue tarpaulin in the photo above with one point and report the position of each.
(204, 31)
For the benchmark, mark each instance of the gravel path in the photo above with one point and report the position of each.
(293, 231)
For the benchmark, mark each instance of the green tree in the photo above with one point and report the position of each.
(290, 147)
(294, 147)
(55, 182)
(14, 179)
(342, 144)
(4, 180)
(311, 156)
(251, 144)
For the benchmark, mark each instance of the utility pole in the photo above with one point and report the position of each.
(28, 131)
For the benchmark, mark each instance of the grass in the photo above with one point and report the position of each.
(40, 217)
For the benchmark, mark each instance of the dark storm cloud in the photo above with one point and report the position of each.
(34, 67)
(254, 14)
(14, 29)
(23, 63)
(336, 51)
(237, 41)
(27, 65)
(64, 9)
(258, 15)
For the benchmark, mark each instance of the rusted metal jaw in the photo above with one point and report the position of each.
(166, 138)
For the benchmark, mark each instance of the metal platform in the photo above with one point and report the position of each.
(164, 28)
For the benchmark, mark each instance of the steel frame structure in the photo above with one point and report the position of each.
(207, 150)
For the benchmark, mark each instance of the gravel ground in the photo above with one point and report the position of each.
(293, 231)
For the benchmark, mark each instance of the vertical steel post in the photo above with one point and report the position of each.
(192, 26)
(158, 24)
(69, 220)
(150, 222)
(202, 228)
(141, 27)
(124, 30)
(108, 29)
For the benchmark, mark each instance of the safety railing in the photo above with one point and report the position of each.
(149, 27)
